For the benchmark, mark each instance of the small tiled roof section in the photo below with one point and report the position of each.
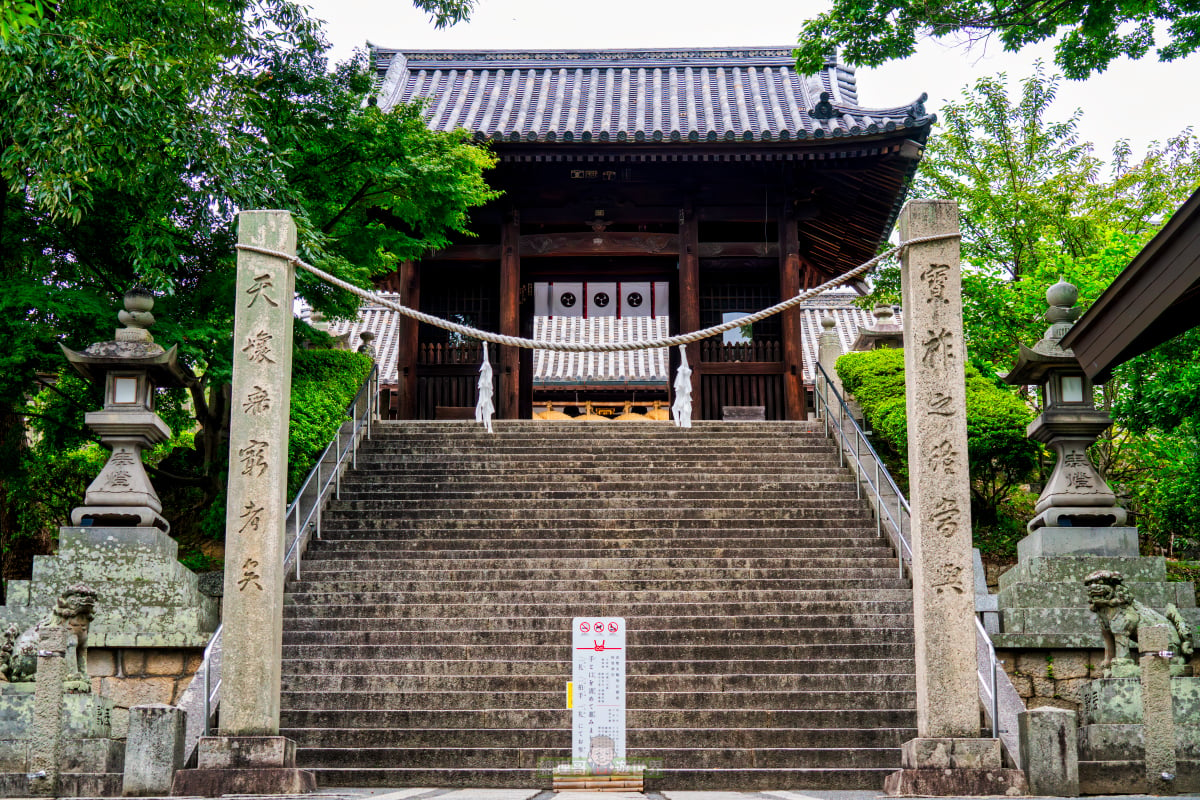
(692, 95)
(638, 367)
(633, 367)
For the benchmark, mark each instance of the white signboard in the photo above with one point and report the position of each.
(598, 675)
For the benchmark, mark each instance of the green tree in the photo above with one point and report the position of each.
(130, 134)
(1090, 35)
(1035, 204)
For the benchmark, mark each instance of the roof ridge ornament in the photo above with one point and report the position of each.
(824, 109)
(917, 110)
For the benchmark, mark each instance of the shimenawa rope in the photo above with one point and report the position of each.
(583, 347)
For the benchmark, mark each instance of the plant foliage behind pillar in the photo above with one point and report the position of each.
(999, 454)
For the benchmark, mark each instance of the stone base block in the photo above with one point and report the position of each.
(1124, 741)
(1129, 777)
(932, 782)
(1048, 542)
(86, 784)
(1049, 751)
(743, 413)
(85, 716)
(1118, 701)
(251, 780)
(950, 754)
(79, 755)
(241, 752)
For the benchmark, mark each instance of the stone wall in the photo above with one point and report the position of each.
(1051, 677)
(131, 676)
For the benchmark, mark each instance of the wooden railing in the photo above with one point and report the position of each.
(741, 374)
(447, 376)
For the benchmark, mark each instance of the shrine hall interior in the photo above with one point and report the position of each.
(722, 176)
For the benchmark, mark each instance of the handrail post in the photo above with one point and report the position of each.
(337, 465)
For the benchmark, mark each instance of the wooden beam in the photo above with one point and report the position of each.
(406, 356)
(743, 368)
(789, 286)
(599, 244)
(510, 319)
(619, 243)
(689, 296)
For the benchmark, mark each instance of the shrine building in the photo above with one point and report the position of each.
(645, 192)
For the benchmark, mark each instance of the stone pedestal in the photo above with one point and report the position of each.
(1050, 751)
(1112, 738)
(154, 750)
(1043, 602)
(244, 765)
(89, 762)
(946, 767)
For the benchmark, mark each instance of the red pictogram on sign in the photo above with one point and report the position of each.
(612, 627)
(584, 627)
(598, 625)
(598, 646)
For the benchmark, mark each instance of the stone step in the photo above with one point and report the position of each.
(734, 779)
(834, 616)
(619, 583)
(301, 666)
(329, 549)
(744, 509)
(876, 644)
(530, 757)
(637, 738)
(489, 684)
(890, 628)
(519, 497)
(337, 607)
(554, 698)
(624, 561)
(583, 600)
(837, 533)
(423, 717)
(600, 481)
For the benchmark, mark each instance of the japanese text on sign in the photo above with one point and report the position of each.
(598, 672)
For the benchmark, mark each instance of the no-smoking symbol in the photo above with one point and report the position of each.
(584, 627)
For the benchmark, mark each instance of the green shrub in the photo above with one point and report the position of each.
(324, 382)
(999, 455)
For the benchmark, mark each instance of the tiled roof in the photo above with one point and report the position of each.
(641, 366)
(696, 95)
(632, 367)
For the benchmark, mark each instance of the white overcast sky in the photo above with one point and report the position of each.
(1141, 101)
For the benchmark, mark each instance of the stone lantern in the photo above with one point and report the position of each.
(129, 368)
(885, 333)
(1075, 495)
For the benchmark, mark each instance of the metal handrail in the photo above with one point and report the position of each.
(343, 447)
(902, 512)
(899, 532)
(988, 688)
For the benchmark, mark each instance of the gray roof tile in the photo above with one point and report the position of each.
(699, 95)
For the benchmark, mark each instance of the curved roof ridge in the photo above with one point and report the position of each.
(653, 107)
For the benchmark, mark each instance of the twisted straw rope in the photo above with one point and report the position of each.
(581, 347)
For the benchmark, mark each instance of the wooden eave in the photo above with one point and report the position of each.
(1153, 299)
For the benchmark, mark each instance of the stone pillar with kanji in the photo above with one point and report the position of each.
(949, 757)
(249, 756)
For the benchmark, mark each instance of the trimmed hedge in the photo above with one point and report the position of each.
(324, 382)
(999, 455)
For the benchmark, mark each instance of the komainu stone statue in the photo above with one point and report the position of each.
(1121, 615)
(74, 611)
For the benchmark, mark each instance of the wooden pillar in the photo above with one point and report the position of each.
(407, 346)
(789, 286)
(509, 406)
(689, 298)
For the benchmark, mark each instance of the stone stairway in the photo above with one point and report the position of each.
(770, 636)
